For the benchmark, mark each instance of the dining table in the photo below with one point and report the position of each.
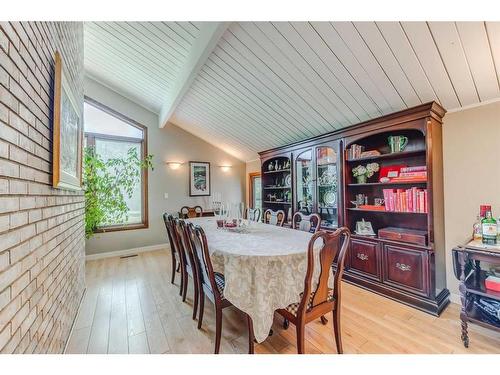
(264, 267)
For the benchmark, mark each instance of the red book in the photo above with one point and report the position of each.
(414, 198)
(414, 169)
(421, 203)
(413, 174)
(386, 198)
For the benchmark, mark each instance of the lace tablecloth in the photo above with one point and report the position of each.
(264, 268)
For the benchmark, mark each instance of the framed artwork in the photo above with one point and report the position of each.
(199, 178)
(67, 133)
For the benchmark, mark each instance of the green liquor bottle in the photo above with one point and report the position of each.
(489, 229)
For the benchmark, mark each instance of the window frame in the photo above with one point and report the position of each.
(251, 176)
(91, 138)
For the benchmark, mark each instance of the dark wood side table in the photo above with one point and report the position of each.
(467, 267)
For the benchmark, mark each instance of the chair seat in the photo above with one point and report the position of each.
(220, 281)
(294, 307)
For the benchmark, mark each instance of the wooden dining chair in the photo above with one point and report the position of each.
(253, 214)
(274, 217)
(316, 303)
(307, 223)
(186, 247)
(186, 267)
(190, 212)
(211, 284)
(168, 220)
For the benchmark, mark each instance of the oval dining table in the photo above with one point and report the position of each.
(264, 267)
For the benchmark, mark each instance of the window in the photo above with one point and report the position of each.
(112, 135)
(255, 190)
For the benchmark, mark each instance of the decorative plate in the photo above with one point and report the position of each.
(288, 180)
(329, 198)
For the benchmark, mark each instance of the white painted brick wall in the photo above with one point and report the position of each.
(41, 228)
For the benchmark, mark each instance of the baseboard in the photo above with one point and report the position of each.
(74, 320)
(455, 298)
(120, 253)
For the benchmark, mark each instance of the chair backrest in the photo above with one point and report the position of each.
(202, 257)
(184, 247)
(274, 217)
(168, 220)
(330, 250)
(306, 223)
(253, 214)
(190, 212)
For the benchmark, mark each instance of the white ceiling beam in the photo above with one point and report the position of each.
(209, 35)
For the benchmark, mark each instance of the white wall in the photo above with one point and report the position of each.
(471, 143)
(173, 144)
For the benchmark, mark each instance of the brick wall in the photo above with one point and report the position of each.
(41, 228)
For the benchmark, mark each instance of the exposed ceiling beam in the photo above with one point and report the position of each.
(209, 36)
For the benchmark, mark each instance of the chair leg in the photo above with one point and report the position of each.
(300, 337)
(218, 327)
(181, 288)
(202, 307)
(324, 321)
(174, 265)
(250, 335)
(185, 287)
(196, 296)
(178, 267)
(337, 330)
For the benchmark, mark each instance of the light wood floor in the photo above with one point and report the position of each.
(131, 307)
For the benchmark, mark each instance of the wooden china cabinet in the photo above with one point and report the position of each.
(409, 264)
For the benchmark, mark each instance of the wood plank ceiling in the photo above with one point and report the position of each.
(140, 60)
(271, 83)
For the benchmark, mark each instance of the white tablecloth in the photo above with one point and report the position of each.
(264, 268)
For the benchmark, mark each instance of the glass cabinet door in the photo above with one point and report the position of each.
(327, 185)
(304, 182)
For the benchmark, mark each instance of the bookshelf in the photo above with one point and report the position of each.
(409, 266)
(276, 184)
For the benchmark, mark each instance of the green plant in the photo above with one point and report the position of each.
(106, 183)
(367, 171)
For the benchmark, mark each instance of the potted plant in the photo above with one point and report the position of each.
(106, 184)
(362, 173)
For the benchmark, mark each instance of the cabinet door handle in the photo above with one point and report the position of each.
(403, 267)
(362, 256)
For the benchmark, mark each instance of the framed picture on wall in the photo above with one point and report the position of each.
(199, 178)
(67, 133)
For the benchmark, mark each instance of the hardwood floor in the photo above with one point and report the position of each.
(131, 307)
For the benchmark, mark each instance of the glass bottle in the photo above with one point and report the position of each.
(489, 229)
(498, 230)
(477, 231)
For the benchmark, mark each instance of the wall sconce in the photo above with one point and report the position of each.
(173, 164)
(225, 168)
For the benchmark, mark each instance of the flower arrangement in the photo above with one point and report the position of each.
(362, 172)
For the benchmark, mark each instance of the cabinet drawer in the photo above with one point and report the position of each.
(364, 258)
(406, 268)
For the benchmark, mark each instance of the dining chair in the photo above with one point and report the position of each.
(185, 260)
(316, 303)
(190, 212)
(253, 214)
(307, 223)
(189, 262)
(168, 220)
(211, 284)
(274, 217)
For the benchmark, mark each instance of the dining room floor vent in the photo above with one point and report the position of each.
(129, 256)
